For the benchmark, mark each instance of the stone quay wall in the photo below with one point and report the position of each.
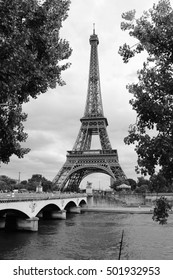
(142, 199)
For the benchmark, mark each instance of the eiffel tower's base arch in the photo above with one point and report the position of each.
(78, 165)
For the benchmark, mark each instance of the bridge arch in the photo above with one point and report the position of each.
(82, 202)
(48, 208)
(69, 205)
(14, 209)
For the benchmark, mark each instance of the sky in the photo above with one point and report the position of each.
(54, 117)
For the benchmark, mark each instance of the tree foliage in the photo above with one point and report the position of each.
(158, 183)
(142, 181)
(142, 189)
(132, 183)
(161, 210)
(30, 62)
(8, 184)
(153, 96)
(38, 179)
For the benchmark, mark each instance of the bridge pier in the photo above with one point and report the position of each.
(30, 224)
(75, 209)
(58, 214)
(2, 222)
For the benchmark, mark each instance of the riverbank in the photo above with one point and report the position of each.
(134, 199)
(120, 210)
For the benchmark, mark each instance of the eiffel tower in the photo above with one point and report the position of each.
(83, 160)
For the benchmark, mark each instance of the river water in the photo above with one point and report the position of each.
(94, 236)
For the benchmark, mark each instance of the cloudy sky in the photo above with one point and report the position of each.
(54, 118)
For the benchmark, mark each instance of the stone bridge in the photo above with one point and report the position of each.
(22, 211)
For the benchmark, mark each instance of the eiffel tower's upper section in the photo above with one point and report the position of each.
(94, 107)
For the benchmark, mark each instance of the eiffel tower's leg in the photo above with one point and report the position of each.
(104, 139)
(80, 140)
(117, 171)
(67, 179)
(75, 180)
(88, 141)
(83, 141)
(61, 178)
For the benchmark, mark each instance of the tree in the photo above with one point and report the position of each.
(34, 182)
(132, 183)
(158, 183)
(30, 62)
(142, 181)
(37, 179)
(3, 185)
(141, 189)
(11, 132)
(47, 185)
(6, 183)
(161, 210)
(153, 96)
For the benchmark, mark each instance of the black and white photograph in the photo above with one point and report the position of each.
(86, 133)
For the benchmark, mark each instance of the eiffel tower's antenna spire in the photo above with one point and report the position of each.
(93, 28)
(94, 106)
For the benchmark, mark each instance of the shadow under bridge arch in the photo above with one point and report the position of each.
(46, 211)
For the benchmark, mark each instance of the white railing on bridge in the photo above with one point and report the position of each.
(37, 196)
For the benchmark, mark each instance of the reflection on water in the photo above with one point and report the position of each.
(91, 236)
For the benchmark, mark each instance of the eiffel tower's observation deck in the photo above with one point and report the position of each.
(83, 160)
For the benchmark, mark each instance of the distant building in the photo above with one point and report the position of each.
(123, 187)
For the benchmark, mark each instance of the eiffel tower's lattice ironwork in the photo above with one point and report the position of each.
(83, 160)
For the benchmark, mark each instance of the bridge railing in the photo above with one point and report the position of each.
(37, 196)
